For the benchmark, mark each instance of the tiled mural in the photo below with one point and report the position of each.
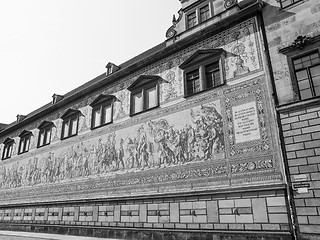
(221, 137)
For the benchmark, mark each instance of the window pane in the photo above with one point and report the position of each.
(41, 138)
(204, 13)
(65, 129)
(74, 126)
(26, 144)
(96, 117)
(106, 111)
(302, 75)
(305, 94)
(48, 136)
(137, 103)
(151, 98)
(193, 82)
(304, 85)
(212, 75)
(285, 3)
(317, 90)
(191, 19)
(9, 150)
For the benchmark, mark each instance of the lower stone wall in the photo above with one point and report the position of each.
(256, 211)
(301, 132)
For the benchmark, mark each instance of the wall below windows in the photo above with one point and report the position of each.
(242, 213)
(301, 131)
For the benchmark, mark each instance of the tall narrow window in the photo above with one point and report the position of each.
(204, 13)
(191, 19)
(203, 70)
(7, 149)
(102, 109)
(70, 123)
(193, 81)
(45, 130)
(307, 71)
(144, 94)
(24, 144)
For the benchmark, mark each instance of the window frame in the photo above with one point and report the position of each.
(24, 143)
(68, 118)
(296, 51)
(98, 104)
(45, 127)
(8, 143)
(197, 12)
(142, 84)
(199, 61)
(310, 80)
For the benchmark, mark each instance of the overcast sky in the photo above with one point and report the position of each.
(54, 46)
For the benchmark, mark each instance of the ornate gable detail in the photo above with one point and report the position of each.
(202, 55)
(25, 133)
(143, 80)
(70, 112)
(45, 124)
(102, 98)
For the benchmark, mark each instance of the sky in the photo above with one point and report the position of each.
(54, 46)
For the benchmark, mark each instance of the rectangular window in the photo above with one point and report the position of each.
(7, 150)
(137, 102)
(44, 137)
(212, 74)
(70, 127)
(101, 115)
(191, 20)
(307, 72)
(204, 13)
(193, 82)
(24, 144)
(151, 97)
(286, 3)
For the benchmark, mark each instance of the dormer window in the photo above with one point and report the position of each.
(24, 144)
(203, 71)
(102, 110)
(7, 149)
(70, 123)
(111, 68)
(45, 129)
(144, 94)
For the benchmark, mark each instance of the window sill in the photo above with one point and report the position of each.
(144, 111)
(299, 104)
(100, 126)
(43, 145)
(292, 5)
(69, 136)
(23, 152)
(206, 90)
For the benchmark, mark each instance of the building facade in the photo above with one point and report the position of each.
(181, 142)
(293, 40)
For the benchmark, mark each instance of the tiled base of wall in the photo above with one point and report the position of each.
(142, 234)
(259, 211)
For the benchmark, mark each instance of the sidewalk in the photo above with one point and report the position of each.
(10, 235)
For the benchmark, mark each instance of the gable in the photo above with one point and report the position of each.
(70, 112)
(143, 80)
(102, 98)
(200, 56)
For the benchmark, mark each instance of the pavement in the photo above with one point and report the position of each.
(11, 235)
